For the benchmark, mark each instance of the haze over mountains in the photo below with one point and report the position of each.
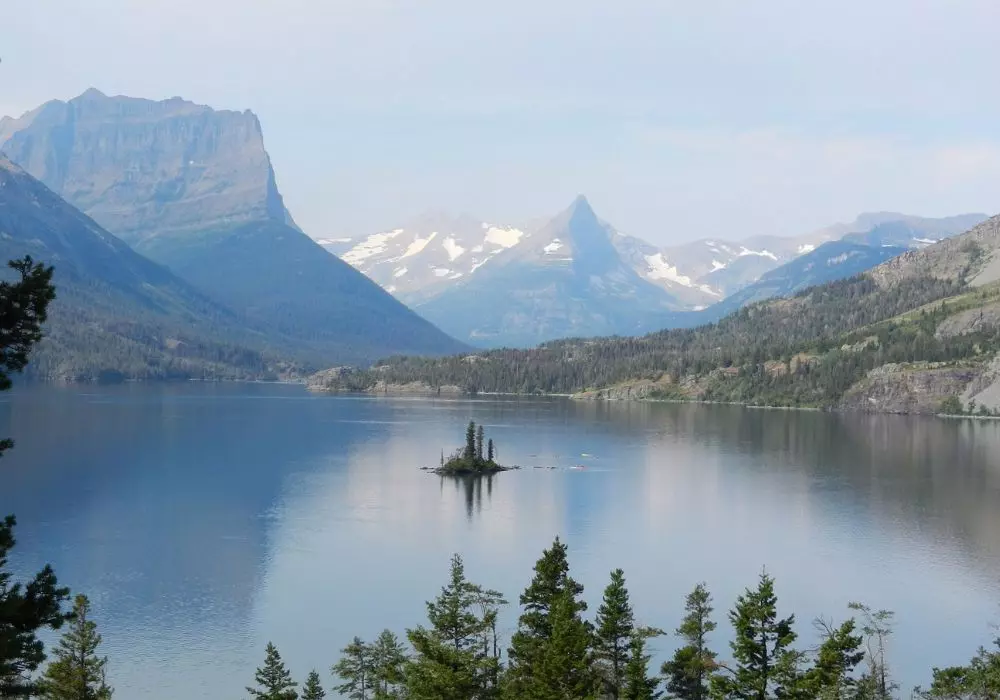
(486, 283)
(193, 189)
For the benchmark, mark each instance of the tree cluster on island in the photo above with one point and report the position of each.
(477, 457)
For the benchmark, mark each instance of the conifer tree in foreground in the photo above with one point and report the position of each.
(26, 608)
(356, 668)
(388, 666)
(876, 625)
(639, 685)
(469, 453)
(480, 437)
(530, 645)
(615, 626)
(274, 681)
(840, 652)
(312, 689)
(690, 670)
(77, 672)
(490, 453)
(766, 665)
(449, 661)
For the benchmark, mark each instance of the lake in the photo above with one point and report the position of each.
(205, 519)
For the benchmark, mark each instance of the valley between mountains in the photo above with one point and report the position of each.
(177, 258)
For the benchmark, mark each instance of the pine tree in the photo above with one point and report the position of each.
(529, 643)
(449, 662)
(840, 652)
(77, 672)
(615, 626)
(313, 688)
(490, 451)
(480, 436)
(564, 671)
(274, 681)
(689, 671)
(638, 684)
(356, 667)
(25, 609)
(766, 664)
(388, 664)
(469, 454)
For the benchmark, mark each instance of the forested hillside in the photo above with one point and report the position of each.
(807, 350)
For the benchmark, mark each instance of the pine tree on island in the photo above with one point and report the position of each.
(477, 457)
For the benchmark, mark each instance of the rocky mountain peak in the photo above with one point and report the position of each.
(147, 169)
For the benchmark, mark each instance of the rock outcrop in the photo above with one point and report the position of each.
(145, 169)
(917, 388)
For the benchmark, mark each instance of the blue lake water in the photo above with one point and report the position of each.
(205, 520)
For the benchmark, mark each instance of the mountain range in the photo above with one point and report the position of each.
(917, 333)
(193, 189)
(518, 285)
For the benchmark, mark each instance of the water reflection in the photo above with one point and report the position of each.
(207, 520)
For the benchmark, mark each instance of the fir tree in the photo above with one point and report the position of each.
(480, 436)
(469, 454)
(490, 453)
(313, 688)
(356, 668)
(615, 626)
(840, 652)
(638, 683)
(388, 664)
(535, 626)
(274, 681)
(689, 671)
(766, 664)
(448, 662)
(77, 672)
(25, 609)
(564, 671)
(980, 680)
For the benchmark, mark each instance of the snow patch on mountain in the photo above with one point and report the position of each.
(552, 247)
(806, 248)
(716, 265)
(374, 244)
(441, 271)
(452, 248)
(924, 241)
(760, 253)
(503, 237)
(399, 272)
(660, 269)
(418, 245)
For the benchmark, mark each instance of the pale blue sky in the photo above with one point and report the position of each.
(721, 118)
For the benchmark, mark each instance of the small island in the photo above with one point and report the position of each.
(477, 458)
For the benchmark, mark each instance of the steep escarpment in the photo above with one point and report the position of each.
(193, 188)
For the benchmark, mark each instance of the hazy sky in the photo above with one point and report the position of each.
(677, 119)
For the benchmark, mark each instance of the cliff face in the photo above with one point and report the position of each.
(145, 169)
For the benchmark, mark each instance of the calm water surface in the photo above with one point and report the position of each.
(205, 520)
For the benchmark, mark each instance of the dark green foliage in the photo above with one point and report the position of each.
(830, 677)
(490, 452)
(639, 685)
(614, 629)
(469, 460)
(952, 406)
(356, 668)
(312, 689)
(469, 455)
(564, 669)
(388, 665)
(274, 681)
(766, 665)
(77, 672)
(729, 357)
(530, 644)
(450, 659)
(980, 680)
(693, 665)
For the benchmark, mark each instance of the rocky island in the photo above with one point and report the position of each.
(477, 458)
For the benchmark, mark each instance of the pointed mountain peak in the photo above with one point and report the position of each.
(581, 206)
(90, 94)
